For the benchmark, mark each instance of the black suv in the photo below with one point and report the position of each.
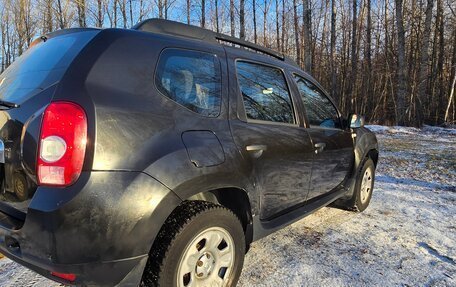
(156, 155)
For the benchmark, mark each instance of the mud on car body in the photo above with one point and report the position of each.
(155, 155)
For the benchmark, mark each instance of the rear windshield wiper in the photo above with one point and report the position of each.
(9, 105)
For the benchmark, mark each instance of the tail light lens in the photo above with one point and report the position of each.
(62, 145)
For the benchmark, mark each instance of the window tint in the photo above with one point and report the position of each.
(41, 66)
(319, 109)
(192, 79)
(265, 93)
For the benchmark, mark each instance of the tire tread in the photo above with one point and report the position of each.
(169, 232)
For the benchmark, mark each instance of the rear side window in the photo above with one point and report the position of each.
(192, 79)
(264, 92)
(319, 109)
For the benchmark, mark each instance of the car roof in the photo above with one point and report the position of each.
(172, 28)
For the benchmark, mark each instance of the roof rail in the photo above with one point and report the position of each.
(167, 27)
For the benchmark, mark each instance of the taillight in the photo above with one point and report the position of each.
(62, 144)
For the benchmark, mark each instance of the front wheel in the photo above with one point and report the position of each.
(364, 185)
(362, 189)
(201, 244)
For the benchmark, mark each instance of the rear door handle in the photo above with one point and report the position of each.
(256, 150)
(319, 147)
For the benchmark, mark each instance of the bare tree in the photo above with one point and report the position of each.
(188, 12)
(241, 19)
(424, 62)
(255, 35)
(217, 17)
(277, 25)
(232, 18)
(307, 35)
(333, 50)
(401, 73)
(368, 53)
(266, 7)
(296, 32)
(203, 13)
(393, 61)
(81, 6)
(99, 22)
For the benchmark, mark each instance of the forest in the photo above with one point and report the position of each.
(393, 61)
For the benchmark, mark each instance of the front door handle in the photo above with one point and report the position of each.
(319, 147)
(256, 150)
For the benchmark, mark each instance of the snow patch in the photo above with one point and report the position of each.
(405, 237)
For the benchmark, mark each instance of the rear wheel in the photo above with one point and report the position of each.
(201, 244)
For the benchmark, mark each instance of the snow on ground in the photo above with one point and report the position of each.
(406, 237)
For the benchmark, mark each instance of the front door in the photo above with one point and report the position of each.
(334, 155)
(278, 151)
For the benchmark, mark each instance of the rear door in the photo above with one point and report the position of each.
(333, 144)
(275, 146)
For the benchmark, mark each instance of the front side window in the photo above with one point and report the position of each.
(265, 93)
(319, 109)
(192, 79)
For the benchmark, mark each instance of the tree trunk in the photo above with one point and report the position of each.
(123, 10)
(296, 32)
(354, 59)
(440, 65)
(307, 36)
(255, 35)
(81, 7)
(277, 24)
(424, 62)
(368, 84)
(334, 93)
(188, 12)
(160, 9)
(60, 14)
(100, 14)
(450, 99)
(241, 19)
(232, 18)
(130, 6)
(265, 22)
(115, 13)
(401, 73)
(453, 83)
(48, 18)
(217, 17)
(203, 13)
(283, 27)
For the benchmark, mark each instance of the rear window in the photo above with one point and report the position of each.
(192, 79)
(41, 66)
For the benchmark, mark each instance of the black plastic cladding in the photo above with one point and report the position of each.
(137, 168)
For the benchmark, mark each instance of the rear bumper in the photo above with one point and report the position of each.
(126, 272)
(101, 229)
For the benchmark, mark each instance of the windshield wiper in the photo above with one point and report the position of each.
(8, 104)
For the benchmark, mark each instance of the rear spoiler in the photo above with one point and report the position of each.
(57, 33)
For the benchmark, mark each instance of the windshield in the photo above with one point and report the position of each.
(41, 66)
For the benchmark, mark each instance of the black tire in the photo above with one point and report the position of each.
(21, 187)
(357, 202)
(185, 223)
(360, 202)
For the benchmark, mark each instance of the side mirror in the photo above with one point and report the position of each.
(356, 121)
